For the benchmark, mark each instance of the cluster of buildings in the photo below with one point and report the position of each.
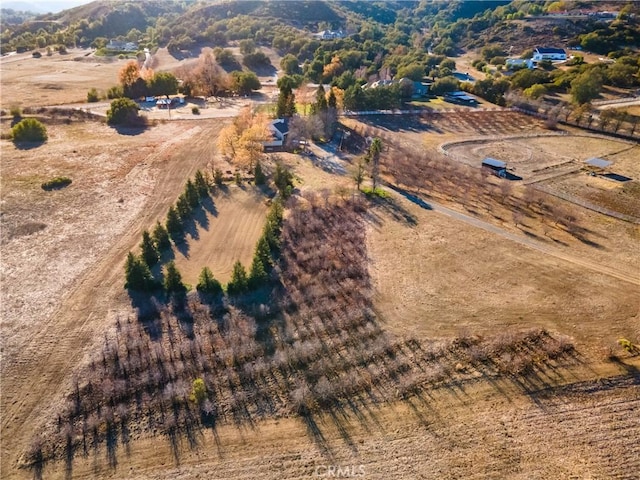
(329, 34)
(120, 46)
(540, 54)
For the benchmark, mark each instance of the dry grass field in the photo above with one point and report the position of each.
(425, 335)
(227, 234)
(58, 79)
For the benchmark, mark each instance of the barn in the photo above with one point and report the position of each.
(497, 167)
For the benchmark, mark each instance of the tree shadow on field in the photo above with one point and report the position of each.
(315, 433)
(411, 197)
(207, 204)
(390, 207)
(28, 145)
(130, 131)
(148, 311)
(201, 217)
(181, 244)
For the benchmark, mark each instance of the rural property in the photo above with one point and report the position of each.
(318, 239)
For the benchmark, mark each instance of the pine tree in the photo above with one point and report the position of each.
(173, 281)
(192, 194)
(208, 284)
(174, 224)
(332, 101)
(258, 275)
(161, 238)
(137, 274)
(260, 177)
(373, 158)
(183, 207)
(290, 106)
(263, 252)
(320, 104)
(271, 232)
(283, 179)
(239, 282)
(149, 252)
(201, 184)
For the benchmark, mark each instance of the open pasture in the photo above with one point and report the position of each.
(223, 234)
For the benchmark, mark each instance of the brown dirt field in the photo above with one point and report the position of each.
(433, 290)
(55, 80)
(477, 431)
(65, 79)
(231, 234)
(537, 157)
(466, 279)
(63, 284)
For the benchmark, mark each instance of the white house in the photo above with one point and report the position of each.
(279, 129)
(548, 53)
(329, 34)
(118, 46)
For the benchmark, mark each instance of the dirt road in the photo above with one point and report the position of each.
(522, 240)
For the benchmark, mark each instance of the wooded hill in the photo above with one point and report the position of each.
(447, 26)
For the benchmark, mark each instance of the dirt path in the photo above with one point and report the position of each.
(528, 242)
(336, 162)
(33, 377)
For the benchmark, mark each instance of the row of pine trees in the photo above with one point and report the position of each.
(155, 244)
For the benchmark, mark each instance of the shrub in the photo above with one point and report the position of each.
(629, 346)
(122, 111)
(115, 92)
(218, 177)
(29, 130)
(93, 96)
(56, 183)
(195, 110)
(198, 391)
(535, 91)
(16, 112)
